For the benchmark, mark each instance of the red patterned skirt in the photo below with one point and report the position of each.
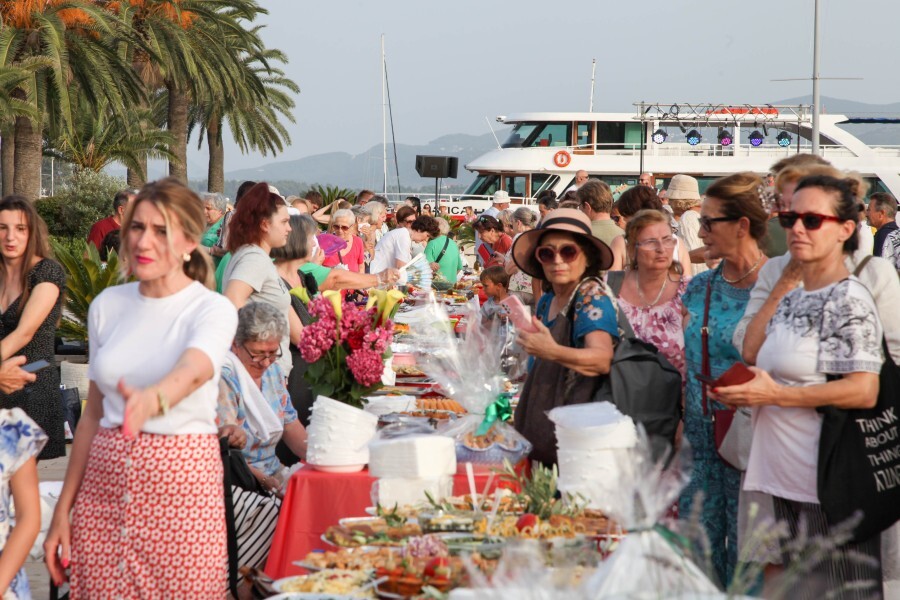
(149, 519)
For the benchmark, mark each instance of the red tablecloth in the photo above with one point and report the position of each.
(315, 501)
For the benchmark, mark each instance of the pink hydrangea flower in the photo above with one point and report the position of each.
(317, 339)
(366, 366)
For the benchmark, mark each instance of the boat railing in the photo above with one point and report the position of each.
(397, 198)
(683, 149)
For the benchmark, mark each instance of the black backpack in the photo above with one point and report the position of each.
(642, 383)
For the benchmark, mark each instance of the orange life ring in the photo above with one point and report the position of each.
(562, 159)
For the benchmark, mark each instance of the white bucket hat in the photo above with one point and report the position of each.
(501, 197)
(683, 187)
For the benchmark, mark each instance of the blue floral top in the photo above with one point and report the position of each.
(20, 440)
(231, 410)
(594, 311)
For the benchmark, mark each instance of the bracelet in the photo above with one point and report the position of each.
(163, 402)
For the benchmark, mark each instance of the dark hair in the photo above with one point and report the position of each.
(843, 191)
(427, 224)
(547, 199)
(738, 195)
(570, 195)
(314, 197)
(497, 275)
(257, 205)
(111, 241)
(596, 194)
(883, 202)
(381, 199)
(297, 246)
(38, 245)
(243, 189)
(177, 203)
(416, 203)
(636, 199)
(570, 203)
(403, 213)
(487, 223)
(364, 195)
(121, 199)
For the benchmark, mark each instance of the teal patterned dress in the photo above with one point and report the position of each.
(719, 483)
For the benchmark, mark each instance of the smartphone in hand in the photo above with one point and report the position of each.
(36, 366)
(519, 314)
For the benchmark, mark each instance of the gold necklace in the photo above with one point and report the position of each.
(641, 293)
(745, 275)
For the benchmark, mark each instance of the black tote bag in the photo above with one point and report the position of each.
(859, 459)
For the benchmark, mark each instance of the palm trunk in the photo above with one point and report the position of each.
(215, 181)
(8, 159)
(178, 126)
(135, 179)
(27, 167)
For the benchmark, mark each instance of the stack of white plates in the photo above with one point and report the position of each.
(385, 405)
(339, 436)
(594, 444)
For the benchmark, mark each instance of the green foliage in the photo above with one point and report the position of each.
(85, 199)
(330, 193)
(462, 232)
(86, 277)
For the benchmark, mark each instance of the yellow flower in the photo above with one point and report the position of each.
(376, 297)
(390, 306)
(300, 292)
(334, 297)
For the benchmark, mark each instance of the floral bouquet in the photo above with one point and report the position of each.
(347, 345)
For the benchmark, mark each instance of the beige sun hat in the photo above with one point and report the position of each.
(569, 220)
(501, 197)
(683, 187)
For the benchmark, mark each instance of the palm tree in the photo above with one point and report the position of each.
(182, 51)
(98, 141)
(13, 78)
(252, 118)
(80, 40)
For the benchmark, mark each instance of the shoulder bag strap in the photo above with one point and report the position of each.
(615, 279)
(704, 338)
(862, 265)
(443, 250)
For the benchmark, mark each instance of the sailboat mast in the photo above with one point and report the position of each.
(383, 118)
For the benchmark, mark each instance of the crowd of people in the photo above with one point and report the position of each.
(786, 276)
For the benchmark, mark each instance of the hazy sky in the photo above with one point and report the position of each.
(452, 63)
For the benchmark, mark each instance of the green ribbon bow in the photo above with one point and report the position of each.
(498, 409)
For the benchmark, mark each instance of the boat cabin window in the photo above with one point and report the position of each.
(618, 135)
(584, 135)
(876, 185)
(484, 185)
(541, 182)
(515, 185)
(530, 135)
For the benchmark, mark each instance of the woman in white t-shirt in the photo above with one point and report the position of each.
(144, 482)
(830, 326)
(261, 222)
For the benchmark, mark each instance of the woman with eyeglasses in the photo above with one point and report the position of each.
(732, 224)
(574, 327)
(495, 243)
(353, 257)
(394, 249)
(653, 285)
(823, 348)
(636, 199)
(254, 413)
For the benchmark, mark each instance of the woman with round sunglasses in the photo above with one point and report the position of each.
(732, 223)
(828, 327)
(353, 256)
(653, 285)
(575, 325)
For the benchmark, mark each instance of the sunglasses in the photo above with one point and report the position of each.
(615, 219)
(409, 221)
(548, 254)
(707, 222)
(341, 227)
(811, 221)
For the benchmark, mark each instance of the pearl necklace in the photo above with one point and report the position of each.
(658, 296)
(745, 275)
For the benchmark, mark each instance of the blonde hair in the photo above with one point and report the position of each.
(682, 205)
(180, 207)
(795, 173)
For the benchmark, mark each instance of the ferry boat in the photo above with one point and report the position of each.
(543, 151)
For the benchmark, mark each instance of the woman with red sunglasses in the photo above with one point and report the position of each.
(828, 327)
(575, 326)
(353, 256)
